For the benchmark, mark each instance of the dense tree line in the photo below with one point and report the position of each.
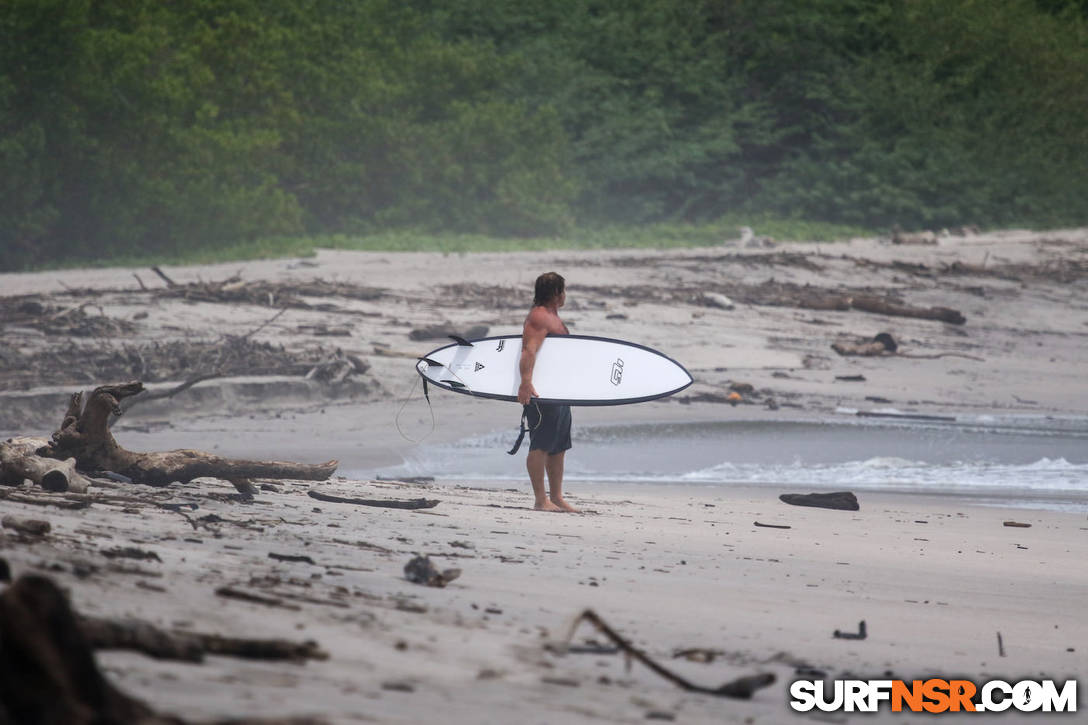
(144, 125)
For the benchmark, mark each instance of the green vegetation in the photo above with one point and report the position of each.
(212, 129)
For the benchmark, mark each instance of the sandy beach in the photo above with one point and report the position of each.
(672, 565)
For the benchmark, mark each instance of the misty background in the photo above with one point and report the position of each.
(150, 127)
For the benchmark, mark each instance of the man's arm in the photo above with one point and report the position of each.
(532, 337)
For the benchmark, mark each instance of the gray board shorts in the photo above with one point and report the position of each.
(549, 427)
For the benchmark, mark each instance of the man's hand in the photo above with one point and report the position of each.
(525, 392)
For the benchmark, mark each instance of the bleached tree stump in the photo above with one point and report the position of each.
(85, 436)
(20, 461)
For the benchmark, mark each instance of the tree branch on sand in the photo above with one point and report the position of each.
(84, 435)
(741, 688)
(51, 675)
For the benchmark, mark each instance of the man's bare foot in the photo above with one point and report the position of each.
(564, 506)
(547, 506)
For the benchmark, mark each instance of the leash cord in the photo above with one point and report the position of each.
(524, 427)
(430, 408)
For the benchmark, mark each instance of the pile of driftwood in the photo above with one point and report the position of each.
(699, 262)
(265, 293)
(1062, 271)
(228, 355)
(160, 361)
(33, 312)
(488, 297)
(781, 294)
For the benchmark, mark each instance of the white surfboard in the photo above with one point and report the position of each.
(570, 369)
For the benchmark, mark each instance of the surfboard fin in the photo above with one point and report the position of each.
(454, 384)
(460, 340)
(430, 363)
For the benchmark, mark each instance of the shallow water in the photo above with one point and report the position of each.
(1041, 462)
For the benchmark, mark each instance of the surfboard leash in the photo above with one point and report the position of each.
(524, 428)
(404, 404)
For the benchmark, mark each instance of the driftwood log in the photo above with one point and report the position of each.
(27, 527)
(884, 307)
(20, 461)
(49, 672)
(142, 636)
(85, 436)
(416, 503)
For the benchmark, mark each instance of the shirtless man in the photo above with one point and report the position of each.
(549, 425)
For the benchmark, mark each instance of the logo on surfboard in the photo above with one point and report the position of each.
(617, 371)
(479, 367)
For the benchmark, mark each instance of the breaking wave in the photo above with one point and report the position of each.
(1002, 464)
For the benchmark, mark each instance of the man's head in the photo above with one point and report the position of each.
(549, 288)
